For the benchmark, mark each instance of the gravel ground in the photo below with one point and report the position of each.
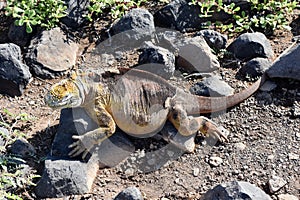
(264, 141)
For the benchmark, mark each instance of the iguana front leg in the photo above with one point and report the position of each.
(86, 142)
(188, 125)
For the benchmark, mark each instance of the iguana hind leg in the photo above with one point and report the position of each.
(188, 125)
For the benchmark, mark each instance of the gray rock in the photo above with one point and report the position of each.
(212, 86)
(264, 98)
(194, 54)
(22, 148)
(268, 86)
(9, 50)
(152, 54)
(287, 197)
(287, 65)
(255, 68)
(76, 121)
(184, 17)
(130, 193)
(14, 75)
(276, 183)
(179, 15)
(136, 27)
(251, 45)
(66, 177)
(76, 11)
(18, 35)
(63, 176)
(51, 54)
(214, 39)
(171, 135)
(235, 190)
(166, 38)
(127, 33)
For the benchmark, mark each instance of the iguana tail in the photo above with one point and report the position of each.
(215, 104)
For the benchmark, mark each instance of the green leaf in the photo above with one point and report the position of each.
(237, 9)
(17, 10)
(28, 28)
(19, 22)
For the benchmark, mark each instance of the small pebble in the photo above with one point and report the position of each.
(196, 171)
(235, 172)
(215, 161)
(287, 197)
(31, 102)
(276, 183)
(177, 180)
(296, 108)
(129, 171)
(293, 156)
(240, 176)
(271, 157)
(240, 146)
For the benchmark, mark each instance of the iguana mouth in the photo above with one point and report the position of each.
(55, 102)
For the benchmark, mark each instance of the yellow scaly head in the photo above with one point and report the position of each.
(64, 94)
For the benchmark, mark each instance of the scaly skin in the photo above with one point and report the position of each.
(139, 103)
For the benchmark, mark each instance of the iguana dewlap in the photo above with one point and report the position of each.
(139, 103)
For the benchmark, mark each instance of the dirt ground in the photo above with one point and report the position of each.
(264, 136)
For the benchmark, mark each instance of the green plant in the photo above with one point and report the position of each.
(45, 13)
(116, 8)
(13, 178)
(263, 15)
(11, 122)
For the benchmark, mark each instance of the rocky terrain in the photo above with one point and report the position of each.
(264, 130)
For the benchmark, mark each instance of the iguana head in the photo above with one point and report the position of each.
(64, 94)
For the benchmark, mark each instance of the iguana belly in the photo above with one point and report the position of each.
(137, 125)
(137, 106)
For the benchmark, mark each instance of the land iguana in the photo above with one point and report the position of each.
(139, 103)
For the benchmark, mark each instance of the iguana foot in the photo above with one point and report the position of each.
(188, 125)
(210, 129)
(84, 144)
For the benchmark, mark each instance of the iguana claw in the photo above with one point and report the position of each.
(216, 132)
(83, 145)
